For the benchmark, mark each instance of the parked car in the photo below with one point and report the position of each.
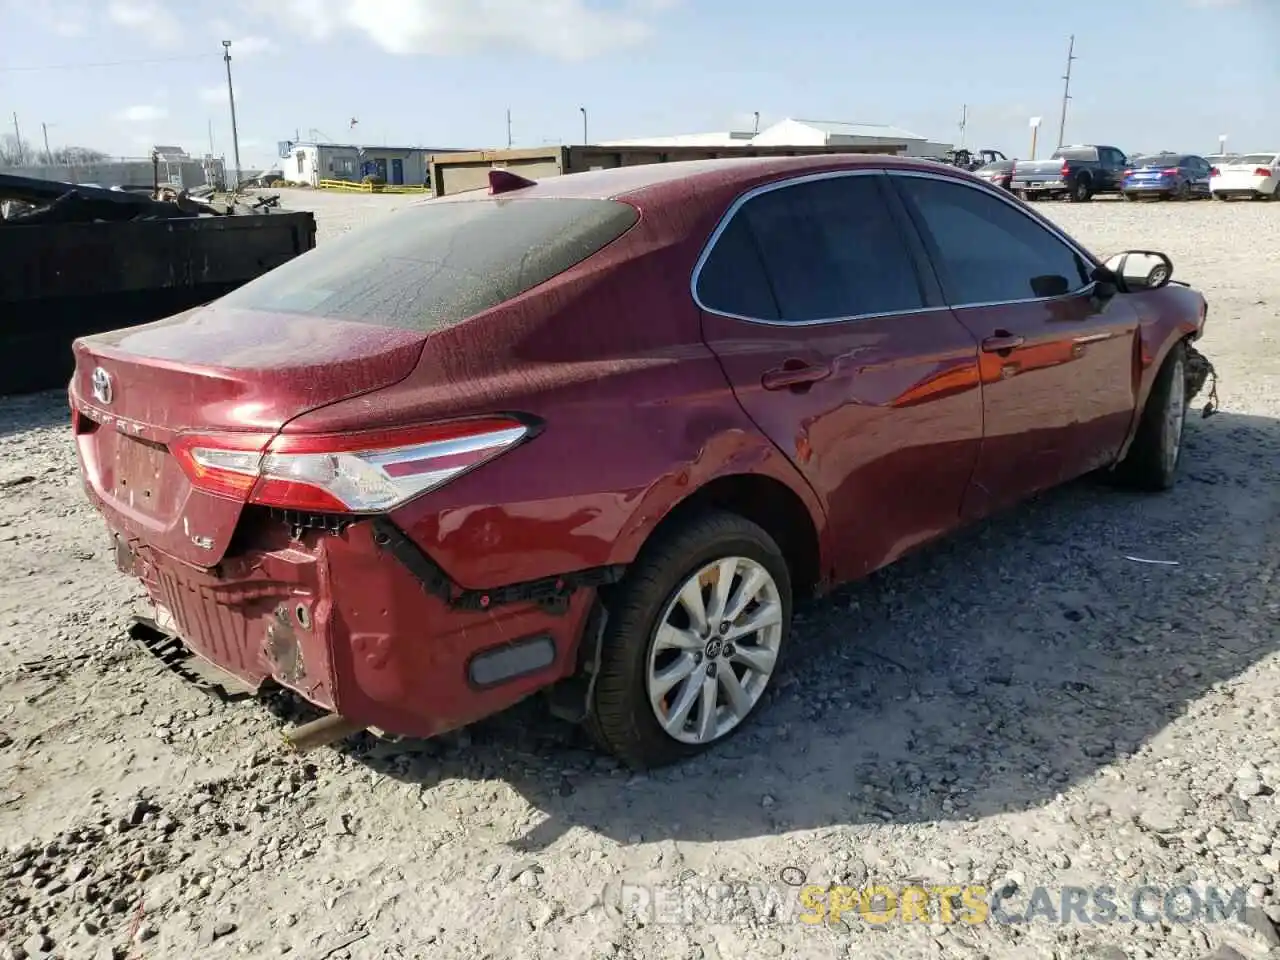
(594, 435)
(1079, 172)
(998, 173)
(1221, 159)
(1166, 176)
(1255, 175)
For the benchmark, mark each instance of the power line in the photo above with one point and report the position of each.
(107, 63)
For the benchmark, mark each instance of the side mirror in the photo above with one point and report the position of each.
(1136, 270)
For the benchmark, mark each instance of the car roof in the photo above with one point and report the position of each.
(661, 181)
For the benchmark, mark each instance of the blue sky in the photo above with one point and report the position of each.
(1151, 74)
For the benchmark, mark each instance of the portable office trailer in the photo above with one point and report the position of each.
(456, 172)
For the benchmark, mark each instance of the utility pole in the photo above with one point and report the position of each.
(508, 128)
(48, 154)
(1066, 89)
(17, 136)
(231, 96)
(757, 127)
(211, 136)
(585, 141)
(964, 123)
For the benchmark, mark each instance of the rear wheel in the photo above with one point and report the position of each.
(1219, 196)
(694, 637)
(1081, 190)
(1152, 460)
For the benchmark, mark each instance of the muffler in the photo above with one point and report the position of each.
(318, 733)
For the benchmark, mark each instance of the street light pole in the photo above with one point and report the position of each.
(48, 154)
(585, 141)
(231, 96)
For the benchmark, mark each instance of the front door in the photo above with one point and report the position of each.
(839, 348)
(397, 170)
(1057, 361)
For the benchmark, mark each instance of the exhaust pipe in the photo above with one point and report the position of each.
(319, 733)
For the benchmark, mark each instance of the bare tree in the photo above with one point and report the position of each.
(15, 154)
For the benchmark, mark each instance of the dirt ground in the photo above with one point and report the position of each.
(1022, 706)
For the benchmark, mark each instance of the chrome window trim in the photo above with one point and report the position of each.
(754, 192)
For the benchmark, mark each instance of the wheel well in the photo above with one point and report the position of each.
(772, 505)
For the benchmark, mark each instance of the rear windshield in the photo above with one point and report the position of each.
(435, 264)
(1076, 153)
(1266, 159)
(1156, 160)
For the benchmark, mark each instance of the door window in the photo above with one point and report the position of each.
(830, 249)
(985, 250)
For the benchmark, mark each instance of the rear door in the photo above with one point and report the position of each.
(1057, 363)
(839, 348)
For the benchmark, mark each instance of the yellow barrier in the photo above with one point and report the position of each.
(353, 187)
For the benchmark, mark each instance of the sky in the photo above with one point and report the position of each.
(123, 75)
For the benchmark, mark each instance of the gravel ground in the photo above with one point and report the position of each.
(1022, 706)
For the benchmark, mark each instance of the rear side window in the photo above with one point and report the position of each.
(733, 278)
(830, 249)
(435, 264)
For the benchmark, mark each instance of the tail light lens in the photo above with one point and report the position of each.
(1128, 173)
(1262, 172)
(1066, 170)
(1214, 172)
(343, 473)
(1170, 172)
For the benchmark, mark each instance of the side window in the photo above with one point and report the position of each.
(985, 250)
(833, 249)
(733, 279)
(1113, 157)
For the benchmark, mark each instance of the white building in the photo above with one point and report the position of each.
(803, 133)
(313, 162)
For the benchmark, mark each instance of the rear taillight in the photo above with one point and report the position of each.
(1171, 172)
(1128, 173)
(1066, 170)
(1262, 172)
(343, 473)
(1214, 172)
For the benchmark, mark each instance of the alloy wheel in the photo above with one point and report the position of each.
(1175, 415)
(714, 650)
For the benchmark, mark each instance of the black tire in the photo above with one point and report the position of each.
(1219, 196)
(1183, 192)
(1081, 190)
(1149, 464)
(621, 719)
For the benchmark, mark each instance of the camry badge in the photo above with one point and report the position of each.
(101, 385)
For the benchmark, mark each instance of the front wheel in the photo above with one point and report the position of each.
(1152, 460)
(694, 637)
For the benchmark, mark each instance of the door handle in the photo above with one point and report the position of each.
(794, 375)
(1003, 343)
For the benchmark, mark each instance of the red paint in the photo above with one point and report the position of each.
(911, 430)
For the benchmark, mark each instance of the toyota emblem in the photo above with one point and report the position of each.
(101, 385)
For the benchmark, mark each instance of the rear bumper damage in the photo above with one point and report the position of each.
(361, 623)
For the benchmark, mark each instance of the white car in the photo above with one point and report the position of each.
(1254, 175)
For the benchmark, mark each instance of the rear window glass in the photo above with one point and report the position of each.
(1266, 159)
(1155, 160)
(1076, 153)
(436, 264)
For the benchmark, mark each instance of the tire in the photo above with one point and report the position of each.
(622, 719)
(1151, 462)
(1081, 190)
(1183, 192)
(1219, 196)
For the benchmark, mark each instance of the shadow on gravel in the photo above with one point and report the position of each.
(31, 411)
(979, 676)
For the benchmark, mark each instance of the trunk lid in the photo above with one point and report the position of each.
(213, 369)
(1037, 169)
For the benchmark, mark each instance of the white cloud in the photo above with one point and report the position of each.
(563, 29)
(149, 18)
(143, 113)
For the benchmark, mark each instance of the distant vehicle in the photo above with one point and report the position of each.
(1221, 159)
(972, 160)
(1255, 175)
(998, 173)
(369, 478)
(1166, 176)
(1080, 172)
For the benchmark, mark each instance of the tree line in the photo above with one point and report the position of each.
(14, 153)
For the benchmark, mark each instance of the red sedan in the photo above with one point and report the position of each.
(593, 435)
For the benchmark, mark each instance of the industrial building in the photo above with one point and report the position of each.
(312, 162)
(167, 165)
(803, 133)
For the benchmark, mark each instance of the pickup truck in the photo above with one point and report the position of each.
(1081, 172)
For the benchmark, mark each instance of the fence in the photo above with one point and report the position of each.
(354, 187)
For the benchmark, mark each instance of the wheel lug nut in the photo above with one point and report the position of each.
(724, 628)
(711, 669)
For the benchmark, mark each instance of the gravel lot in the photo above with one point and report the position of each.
(1021, 705)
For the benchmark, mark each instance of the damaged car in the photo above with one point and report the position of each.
(594, 436)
